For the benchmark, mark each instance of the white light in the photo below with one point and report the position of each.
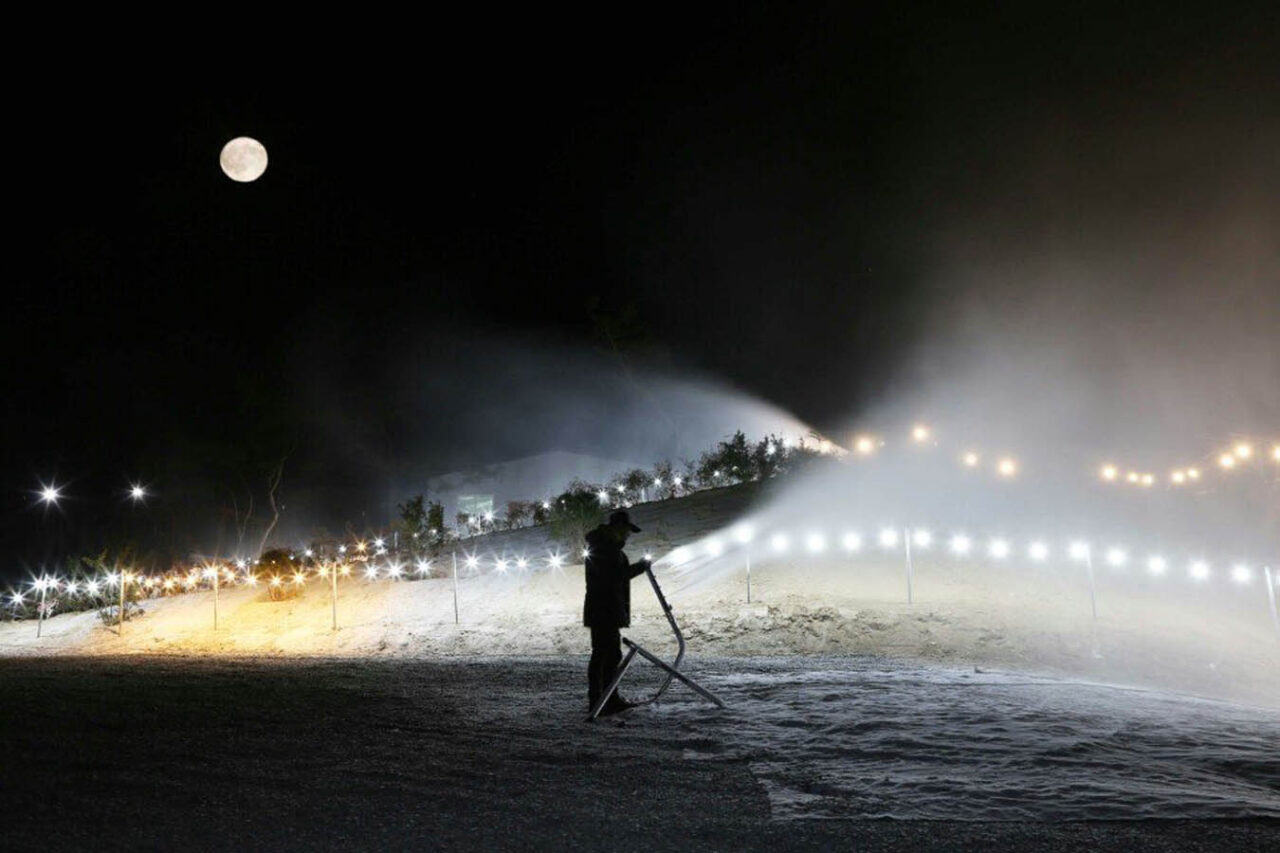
(472, 561)
(621, 489)
(603, 496)
(1007, 467)
(1178, 477)
(210, 573)
(424, 566)
(556, 561)
(92, 588)
(240, 564)
(998, 548)
(815, 543)
(680, 556)
(137, 492)
(50, 494)
(678, 480)
(1241, 574)
(648, 557)
(15, 598)
(1079, 550)
(522, 563)
(715, 547)
(1117, 556)
(394, 570)
(1109, 472)
(342, 549)
(500, 565)
(1156, 565)
(921, 538)
(1199, 570)
(852, 542)
(888, 537)
(381, 543)
(779, 542)
(971, 459)
(1038, 551)
(371, 572)
(1244, 450)
(72, 588)
(1226, 460)
(657, 481)
(920, 433)
(744, 533)
(960, 544)
(864, 444)
(1132, 477)
(306, 553)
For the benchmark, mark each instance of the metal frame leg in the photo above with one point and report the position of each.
(613, 685)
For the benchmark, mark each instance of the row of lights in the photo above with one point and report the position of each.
(1228, 460)
(51, 493)
(192, 579)
(1005, 465)
(890, 538)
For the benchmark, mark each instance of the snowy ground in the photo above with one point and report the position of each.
(815, 753)
(991, 711)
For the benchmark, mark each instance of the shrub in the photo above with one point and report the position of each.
(575, 512)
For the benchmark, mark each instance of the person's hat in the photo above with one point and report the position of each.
(620, 518)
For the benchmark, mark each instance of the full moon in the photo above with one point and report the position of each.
(243, 159)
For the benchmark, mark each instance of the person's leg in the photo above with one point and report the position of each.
(613, 657)
(606, 654)
(596, 680)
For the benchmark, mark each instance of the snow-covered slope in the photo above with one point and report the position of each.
(1016, 615)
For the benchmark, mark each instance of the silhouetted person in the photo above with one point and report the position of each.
(607, 608)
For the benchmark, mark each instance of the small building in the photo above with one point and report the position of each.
(490, 487)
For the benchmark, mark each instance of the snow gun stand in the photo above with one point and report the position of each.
(672, 669)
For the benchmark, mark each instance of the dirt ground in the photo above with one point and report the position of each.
(178, 753)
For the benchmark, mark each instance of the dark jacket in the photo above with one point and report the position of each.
(609, 574)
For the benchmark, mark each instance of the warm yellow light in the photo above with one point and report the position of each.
(1244, 450)
(1007, 467)
(1109, 472)
(1275, 453)
(346, 570)
(1132, 476)
(1148, 479)
(1178, 477)
(1193, 473)
(920, 433)
(1226, 460)
(971, 459)
(275, 580)
(864, 444)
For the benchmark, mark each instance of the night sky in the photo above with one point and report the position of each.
(763, 197)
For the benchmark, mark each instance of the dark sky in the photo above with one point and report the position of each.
(770, 192)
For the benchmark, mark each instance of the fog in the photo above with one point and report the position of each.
(457, 401)
(1105, 289)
